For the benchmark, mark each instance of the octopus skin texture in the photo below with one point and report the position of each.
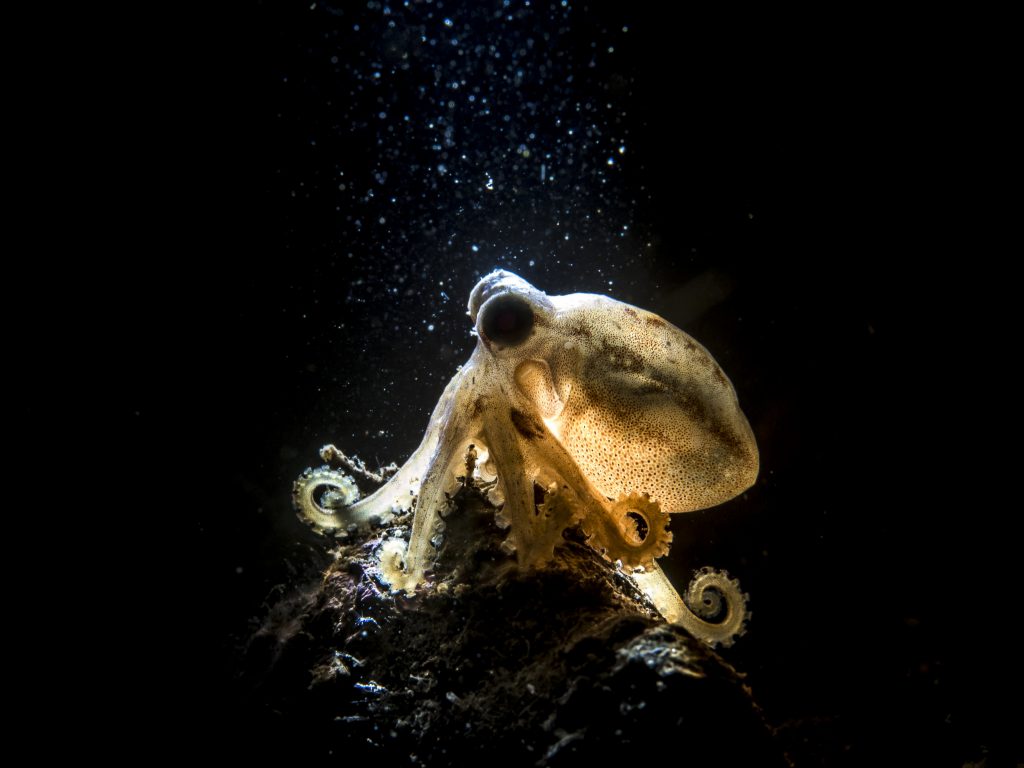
(619, 416)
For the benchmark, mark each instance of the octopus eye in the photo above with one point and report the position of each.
(506, 319)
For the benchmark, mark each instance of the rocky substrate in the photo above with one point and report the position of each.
(561, 666)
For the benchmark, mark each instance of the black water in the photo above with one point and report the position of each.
(354, 168)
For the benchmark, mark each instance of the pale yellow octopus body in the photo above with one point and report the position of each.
(619, 415)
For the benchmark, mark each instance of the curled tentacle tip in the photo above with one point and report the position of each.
(638, 531)
(320, 497)
(391, 562)
(718, 605)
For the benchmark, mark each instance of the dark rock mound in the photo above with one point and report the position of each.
(565, 666)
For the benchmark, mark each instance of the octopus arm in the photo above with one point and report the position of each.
(659, 590)
(402, 488)
(553, 455)
(708, 587)
(516, 482)
(453, 427)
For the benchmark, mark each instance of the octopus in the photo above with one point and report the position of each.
(618, 416)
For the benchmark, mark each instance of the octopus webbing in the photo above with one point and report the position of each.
(620, 417)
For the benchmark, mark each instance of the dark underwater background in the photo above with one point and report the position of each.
(345, 172)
